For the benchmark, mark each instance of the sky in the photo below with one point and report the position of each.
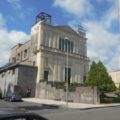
(100, 18)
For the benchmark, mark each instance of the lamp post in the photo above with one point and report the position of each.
(5, 84)
(67, 75)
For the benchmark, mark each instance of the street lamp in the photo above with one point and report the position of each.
(67, 73)
(4, 84)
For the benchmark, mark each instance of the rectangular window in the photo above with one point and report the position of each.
(71, 47)
(60, 40)
(46, 75)
(18, 56)
(25, 53)
(13, 71)
(84, 79)
(68, 75)
(66, 46)
(62, 45)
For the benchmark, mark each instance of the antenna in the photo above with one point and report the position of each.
(81, 28)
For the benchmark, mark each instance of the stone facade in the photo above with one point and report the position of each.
(49, 54)
(58, 52)
(18, 78)
(80, 95)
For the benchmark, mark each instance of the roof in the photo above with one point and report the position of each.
(11, 66)
(65, 27)
(19, 44)
(12, 112)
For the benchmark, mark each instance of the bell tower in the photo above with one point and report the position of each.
(43, 17)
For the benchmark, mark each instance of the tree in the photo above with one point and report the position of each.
(92, 75)
(98, 76)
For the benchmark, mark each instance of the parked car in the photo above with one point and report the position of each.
(16, 114)
(13, 97)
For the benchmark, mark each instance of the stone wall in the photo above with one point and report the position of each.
(81, 95)
(18, 79)
(27, 79)
(8, 79)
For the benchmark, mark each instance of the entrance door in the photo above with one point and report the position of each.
(46, 75)
(67, 75)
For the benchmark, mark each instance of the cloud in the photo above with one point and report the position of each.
(75, 7)
(22, 10)
(15, 4)
(110, 15)
(2, 21)
(102, 43)
(8, 39)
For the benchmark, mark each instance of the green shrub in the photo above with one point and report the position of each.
(104, 99)
(75, 84)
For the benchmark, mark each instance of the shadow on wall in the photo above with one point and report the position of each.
(13, 89)
(9, 89)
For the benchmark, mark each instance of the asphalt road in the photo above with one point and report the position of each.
(112, 113)
(56, 113)
(37, 108)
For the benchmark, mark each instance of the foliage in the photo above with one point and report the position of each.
(60, 85)
(109, 99)
(99, 77)
(73, 86)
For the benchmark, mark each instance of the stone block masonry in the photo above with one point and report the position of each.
(80, 95)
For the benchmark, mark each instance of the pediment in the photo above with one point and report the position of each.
(67, 28)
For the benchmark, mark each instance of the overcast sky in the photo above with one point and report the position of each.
(98, 17)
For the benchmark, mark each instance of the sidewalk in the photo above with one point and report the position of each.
(70, 105)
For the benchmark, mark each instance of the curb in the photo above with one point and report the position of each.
(84, 108)
(97, 107)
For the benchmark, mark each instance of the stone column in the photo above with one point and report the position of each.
(79, 74)
(57, 42)
(55, 71)
(40, 37)
(74, 48)
(54, 42)
(73, 72)
(50, 40)
(46, 38)
(59, 72)
(76, 72)
(42, 68)
(40, 65)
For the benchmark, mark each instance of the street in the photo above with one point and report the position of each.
(56, 113)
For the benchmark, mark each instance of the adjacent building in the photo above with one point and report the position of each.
(53, 53)
(115, 77)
